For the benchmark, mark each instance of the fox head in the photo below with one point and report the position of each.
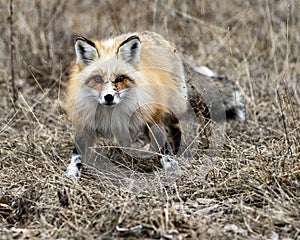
(108, 69)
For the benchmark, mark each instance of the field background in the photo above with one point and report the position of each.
(251, 190)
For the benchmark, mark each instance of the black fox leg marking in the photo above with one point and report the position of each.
(78, 157)
(166, 150)
(158, 137)
(173, 125)
(176, 137)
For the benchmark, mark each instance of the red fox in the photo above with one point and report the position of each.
(122, 86)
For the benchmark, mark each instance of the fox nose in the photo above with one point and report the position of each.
(109, 98)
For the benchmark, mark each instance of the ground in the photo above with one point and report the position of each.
(248, 189)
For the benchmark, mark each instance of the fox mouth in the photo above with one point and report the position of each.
(109, 105)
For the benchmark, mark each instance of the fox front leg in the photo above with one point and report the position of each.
(82, 142)
(166, 139)
(75, 166)
(173, 126)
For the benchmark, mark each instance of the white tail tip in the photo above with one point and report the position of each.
(205, 71)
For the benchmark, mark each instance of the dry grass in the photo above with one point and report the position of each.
(250, 190)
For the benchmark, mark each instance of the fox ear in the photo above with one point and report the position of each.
(130, 50)
(86, 51)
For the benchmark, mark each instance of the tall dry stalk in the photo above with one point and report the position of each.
(13, 94)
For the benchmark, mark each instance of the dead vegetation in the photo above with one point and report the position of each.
(249, 190)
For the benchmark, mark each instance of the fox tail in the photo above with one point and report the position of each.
(217, 97)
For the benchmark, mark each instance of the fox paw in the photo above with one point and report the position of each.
(169, 164)
(74, 169)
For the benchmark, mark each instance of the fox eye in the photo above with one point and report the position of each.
(120, 78)
(98, 79)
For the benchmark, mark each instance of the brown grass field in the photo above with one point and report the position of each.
(250, 189)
